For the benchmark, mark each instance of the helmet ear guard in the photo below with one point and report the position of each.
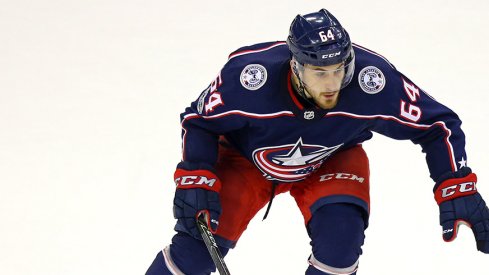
(294, 66)
(301, 89)
(349, 69)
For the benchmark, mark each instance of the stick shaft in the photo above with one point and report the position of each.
(211, 244)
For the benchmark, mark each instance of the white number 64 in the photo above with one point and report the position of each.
(324, 37)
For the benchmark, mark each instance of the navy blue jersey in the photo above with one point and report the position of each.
(252, 104)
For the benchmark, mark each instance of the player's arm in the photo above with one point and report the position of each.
(197, 185)
(415, 115)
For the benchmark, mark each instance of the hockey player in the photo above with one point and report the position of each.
(291, 117)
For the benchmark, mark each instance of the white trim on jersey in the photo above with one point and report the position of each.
(256, 51)
(374, 53)
(410, 124)
(289, 113)
(238, 112)
(183, 142)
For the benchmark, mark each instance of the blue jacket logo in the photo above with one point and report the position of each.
(291, 162)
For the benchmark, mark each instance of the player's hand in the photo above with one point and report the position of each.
(188, 205)
(197, 191)
(460, 203)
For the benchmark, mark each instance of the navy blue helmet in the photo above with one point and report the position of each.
(319, 39)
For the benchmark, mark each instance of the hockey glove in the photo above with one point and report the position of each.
(197, 192)
(460, 203)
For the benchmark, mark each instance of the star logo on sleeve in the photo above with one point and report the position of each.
(463, 163)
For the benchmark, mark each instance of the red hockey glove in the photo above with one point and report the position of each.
(197, 191)
(460, 203)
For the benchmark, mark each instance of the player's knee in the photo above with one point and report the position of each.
(337, 234)
(186, 255)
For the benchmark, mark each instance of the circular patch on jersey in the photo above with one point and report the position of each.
(253, 77)
(371, 80)
(200, 101)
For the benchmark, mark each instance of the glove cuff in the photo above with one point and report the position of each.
(455, 188)
(205, 179)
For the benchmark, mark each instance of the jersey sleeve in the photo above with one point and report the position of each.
(212, 115)
(411, 113)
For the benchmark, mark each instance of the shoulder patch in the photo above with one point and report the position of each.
(371, 80)
(253, 77)
(200, 101)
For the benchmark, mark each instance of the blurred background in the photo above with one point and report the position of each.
(90, 97)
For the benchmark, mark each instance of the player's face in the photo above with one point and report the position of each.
(323, 83)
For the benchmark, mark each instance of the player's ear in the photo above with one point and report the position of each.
(294, 67)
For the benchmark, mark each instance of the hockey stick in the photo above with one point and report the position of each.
(211, 244)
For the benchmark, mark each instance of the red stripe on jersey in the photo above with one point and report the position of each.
(374, 53)
(240, 113)
(233, 112)
(233, 55)
(409, 124)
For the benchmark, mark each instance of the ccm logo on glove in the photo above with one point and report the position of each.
(185, 179)
(462, 188)
(198, 180)
(455, 188)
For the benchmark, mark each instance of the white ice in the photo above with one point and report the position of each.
(90, 97)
